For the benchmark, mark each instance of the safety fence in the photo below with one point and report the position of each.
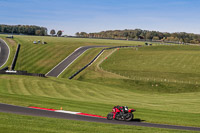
(11, 71)
(138, 40)
(71, 77)
(21, 73)
(15, 58)
(5, 68)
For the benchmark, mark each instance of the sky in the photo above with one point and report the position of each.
(73, 16)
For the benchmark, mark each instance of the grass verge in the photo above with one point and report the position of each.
(19, 123)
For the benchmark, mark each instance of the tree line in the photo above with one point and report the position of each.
(23, 29)
(138, 34)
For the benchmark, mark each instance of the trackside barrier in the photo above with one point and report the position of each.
(21, 73)
(140, 40)
(15, 58)
(5, 68)
(97, 57)
(12, 72)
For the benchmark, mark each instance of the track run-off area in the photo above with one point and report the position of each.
(42, 112)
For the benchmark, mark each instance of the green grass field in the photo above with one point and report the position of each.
(161, 63)
(23, 124)
(179, 109)
(160, 82)
(39, 58)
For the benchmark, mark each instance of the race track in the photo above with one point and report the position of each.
(44, 113)
(4, 52)
(57, 70)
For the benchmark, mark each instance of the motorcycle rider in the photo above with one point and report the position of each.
(121, 113)
(115, 110)
(119, 110)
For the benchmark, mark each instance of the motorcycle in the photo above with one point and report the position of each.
(121, 113)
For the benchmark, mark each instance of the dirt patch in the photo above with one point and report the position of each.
(11, 41)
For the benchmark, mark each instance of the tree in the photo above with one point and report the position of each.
(37, 32)
(59, 33)
(52, 32)
(125, 34)
(83, 34)
(77, 34)
(24, 29)
(155, 38)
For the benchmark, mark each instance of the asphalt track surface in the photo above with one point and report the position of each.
(6, 108)
(4, 52)
(57, 70)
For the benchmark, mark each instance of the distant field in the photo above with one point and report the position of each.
(161, 63)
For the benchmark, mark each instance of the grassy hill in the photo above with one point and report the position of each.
(125, 69)
(39, 58)
(160, 63)
(160, 82)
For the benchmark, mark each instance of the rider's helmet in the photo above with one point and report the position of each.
(126, 108)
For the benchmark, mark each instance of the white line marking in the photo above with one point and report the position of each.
(11, 71)
(67, 112)
(77, 58)
(70, 63)
(96, 58)
(62, 61)
(8, 53)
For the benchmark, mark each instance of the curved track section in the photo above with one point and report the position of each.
(57, 70)
(44, 113)
(4, 52)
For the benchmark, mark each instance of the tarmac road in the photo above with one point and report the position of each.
(4, 52)
(57, 70)
(43, 113)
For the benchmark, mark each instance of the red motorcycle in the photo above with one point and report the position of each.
(121, 113)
